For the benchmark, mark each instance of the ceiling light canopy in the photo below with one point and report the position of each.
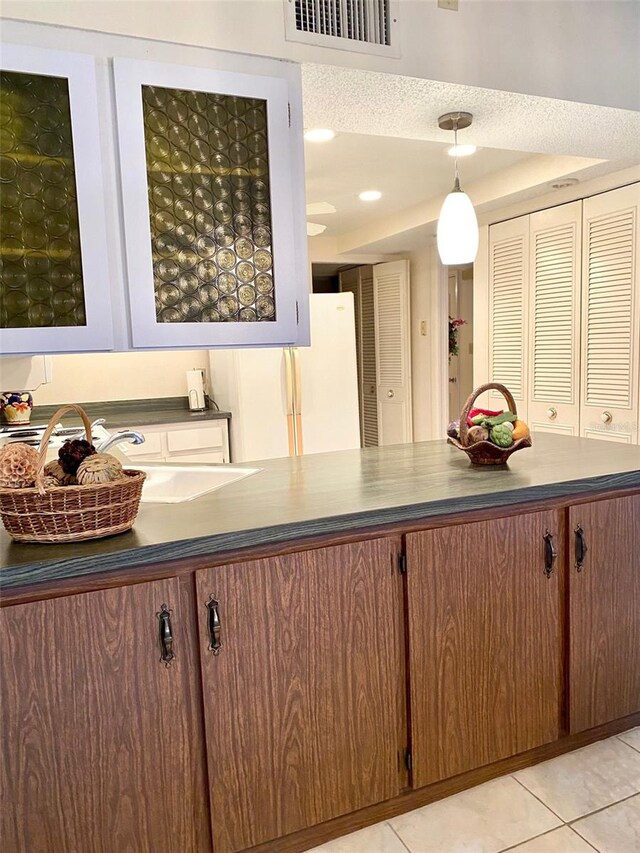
(319, 134)
(314, 228)
(370, 195)
(457, 234)
(461, 150)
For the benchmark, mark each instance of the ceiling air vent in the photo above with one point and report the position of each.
(366, 26)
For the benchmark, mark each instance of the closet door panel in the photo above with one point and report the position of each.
(611, 316)
(554, 312)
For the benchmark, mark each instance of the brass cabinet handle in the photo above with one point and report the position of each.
(550, 554)
(165, 635)
(552, 413)
(214, 626)
(581, 548)
(606, 417)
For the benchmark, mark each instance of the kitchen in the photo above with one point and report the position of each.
(269, 589)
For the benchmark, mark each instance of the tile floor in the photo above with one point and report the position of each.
(580, 802)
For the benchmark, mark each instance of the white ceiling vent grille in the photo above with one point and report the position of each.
(366, 26)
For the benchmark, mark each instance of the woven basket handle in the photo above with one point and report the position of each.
(511, 403)
(44, 442)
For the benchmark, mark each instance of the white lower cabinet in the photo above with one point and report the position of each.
(564, 309)
(205, 443)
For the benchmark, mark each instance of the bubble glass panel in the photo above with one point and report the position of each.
(40, 259)
(209, 205)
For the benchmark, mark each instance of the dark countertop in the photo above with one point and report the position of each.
(332, 492)
(132, 413)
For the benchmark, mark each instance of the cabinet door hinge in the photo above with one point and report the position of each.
(402, 564)
(408, 762)
(289, 113)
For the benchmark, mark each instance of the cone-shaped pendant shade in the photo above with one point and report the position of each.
(457, 229)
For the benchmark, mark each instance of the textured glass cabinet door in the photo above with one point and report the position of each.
(54, 288)
(206, 183)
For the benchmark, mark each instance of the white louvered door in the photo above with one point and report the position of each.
(370, 433)
(611, 316)
(393, 352)
(508, 315)
(554, 319)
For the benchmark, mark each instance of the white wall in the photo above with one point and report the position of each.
(88, 378)
(577, 50)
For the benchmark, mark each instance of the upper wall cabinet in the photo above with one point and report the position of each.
(212, 254)
(54, 285)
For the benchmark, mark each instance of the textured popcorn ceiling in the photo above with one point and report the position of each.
(388, 139)
(370, 102)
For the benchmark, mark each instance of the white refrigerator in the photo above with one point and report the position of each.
(295, 400)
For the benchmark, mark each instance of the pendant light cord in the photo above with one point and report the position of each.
(456, 184)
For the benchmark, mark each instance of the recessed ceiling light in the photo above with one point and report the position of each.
(564, 182)
(370, 195)
(319, 134)
(461, 150)
(314, 228)
(320, 208)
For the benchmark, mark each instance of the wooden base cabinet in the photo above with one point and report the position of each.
(484, 642)
(604, 615)
(102, 750)
(303, 680)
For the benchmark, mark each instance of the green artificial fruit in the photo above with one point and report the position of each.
(501, 435)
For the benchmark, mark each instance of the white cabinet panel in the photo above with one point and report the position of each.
(208, 194)
(55, 280)
(554, 319)
(611, 315)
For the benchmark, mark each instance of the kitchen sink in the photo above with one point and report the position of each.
(172, 484)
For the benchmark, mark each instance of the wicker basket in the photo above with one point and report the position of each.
(70, 513)
(486, 452)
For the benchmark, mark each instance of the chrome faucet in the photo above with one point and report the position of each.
(117, 437)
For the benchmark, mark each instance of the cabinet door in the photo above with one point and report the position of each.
(54, 287)
(604, 595)
(611, 316)
(213, 254)
(554, 311)
(484, 639)
(303, 702)
(508, 315)
(102, 741)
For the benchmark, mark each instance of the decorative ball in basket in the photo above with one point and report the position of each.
(81, 495)
(489, 438)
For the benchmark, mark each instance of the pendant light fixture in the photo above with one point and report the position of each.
(457, 225)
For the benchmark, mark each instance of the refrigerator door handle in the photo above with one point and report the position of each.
(290, 394)
(297, 400)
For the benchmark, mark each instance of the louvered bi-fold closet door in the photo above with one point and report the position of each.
(350, 283)
(508, 291)
(555, 252)
(393, 352)
(611, 316)
(370, 433)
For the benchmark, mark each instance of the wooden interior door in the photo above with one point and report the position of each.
(604, 612)
(303, 700)
(102, 747)
(485, 644)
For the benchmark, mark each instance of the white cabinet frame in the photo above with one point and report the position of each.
(130, 76)
(80, 71)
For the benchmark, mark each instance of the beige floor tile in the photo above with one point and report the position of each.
(614, 830)
(632, 737)
(563, 840)
(485, 819)
(379, 838)
(588, 779)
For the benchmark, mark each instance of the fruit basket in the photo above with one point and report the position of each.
(70, 513)
(486, 452)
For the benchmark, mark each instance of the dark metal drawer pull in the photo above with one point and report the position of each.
(215, 629)
(581, 548)
(550, 554)
(166, 637)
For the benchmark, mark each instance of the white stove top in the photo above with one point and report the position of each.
(32, 434)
